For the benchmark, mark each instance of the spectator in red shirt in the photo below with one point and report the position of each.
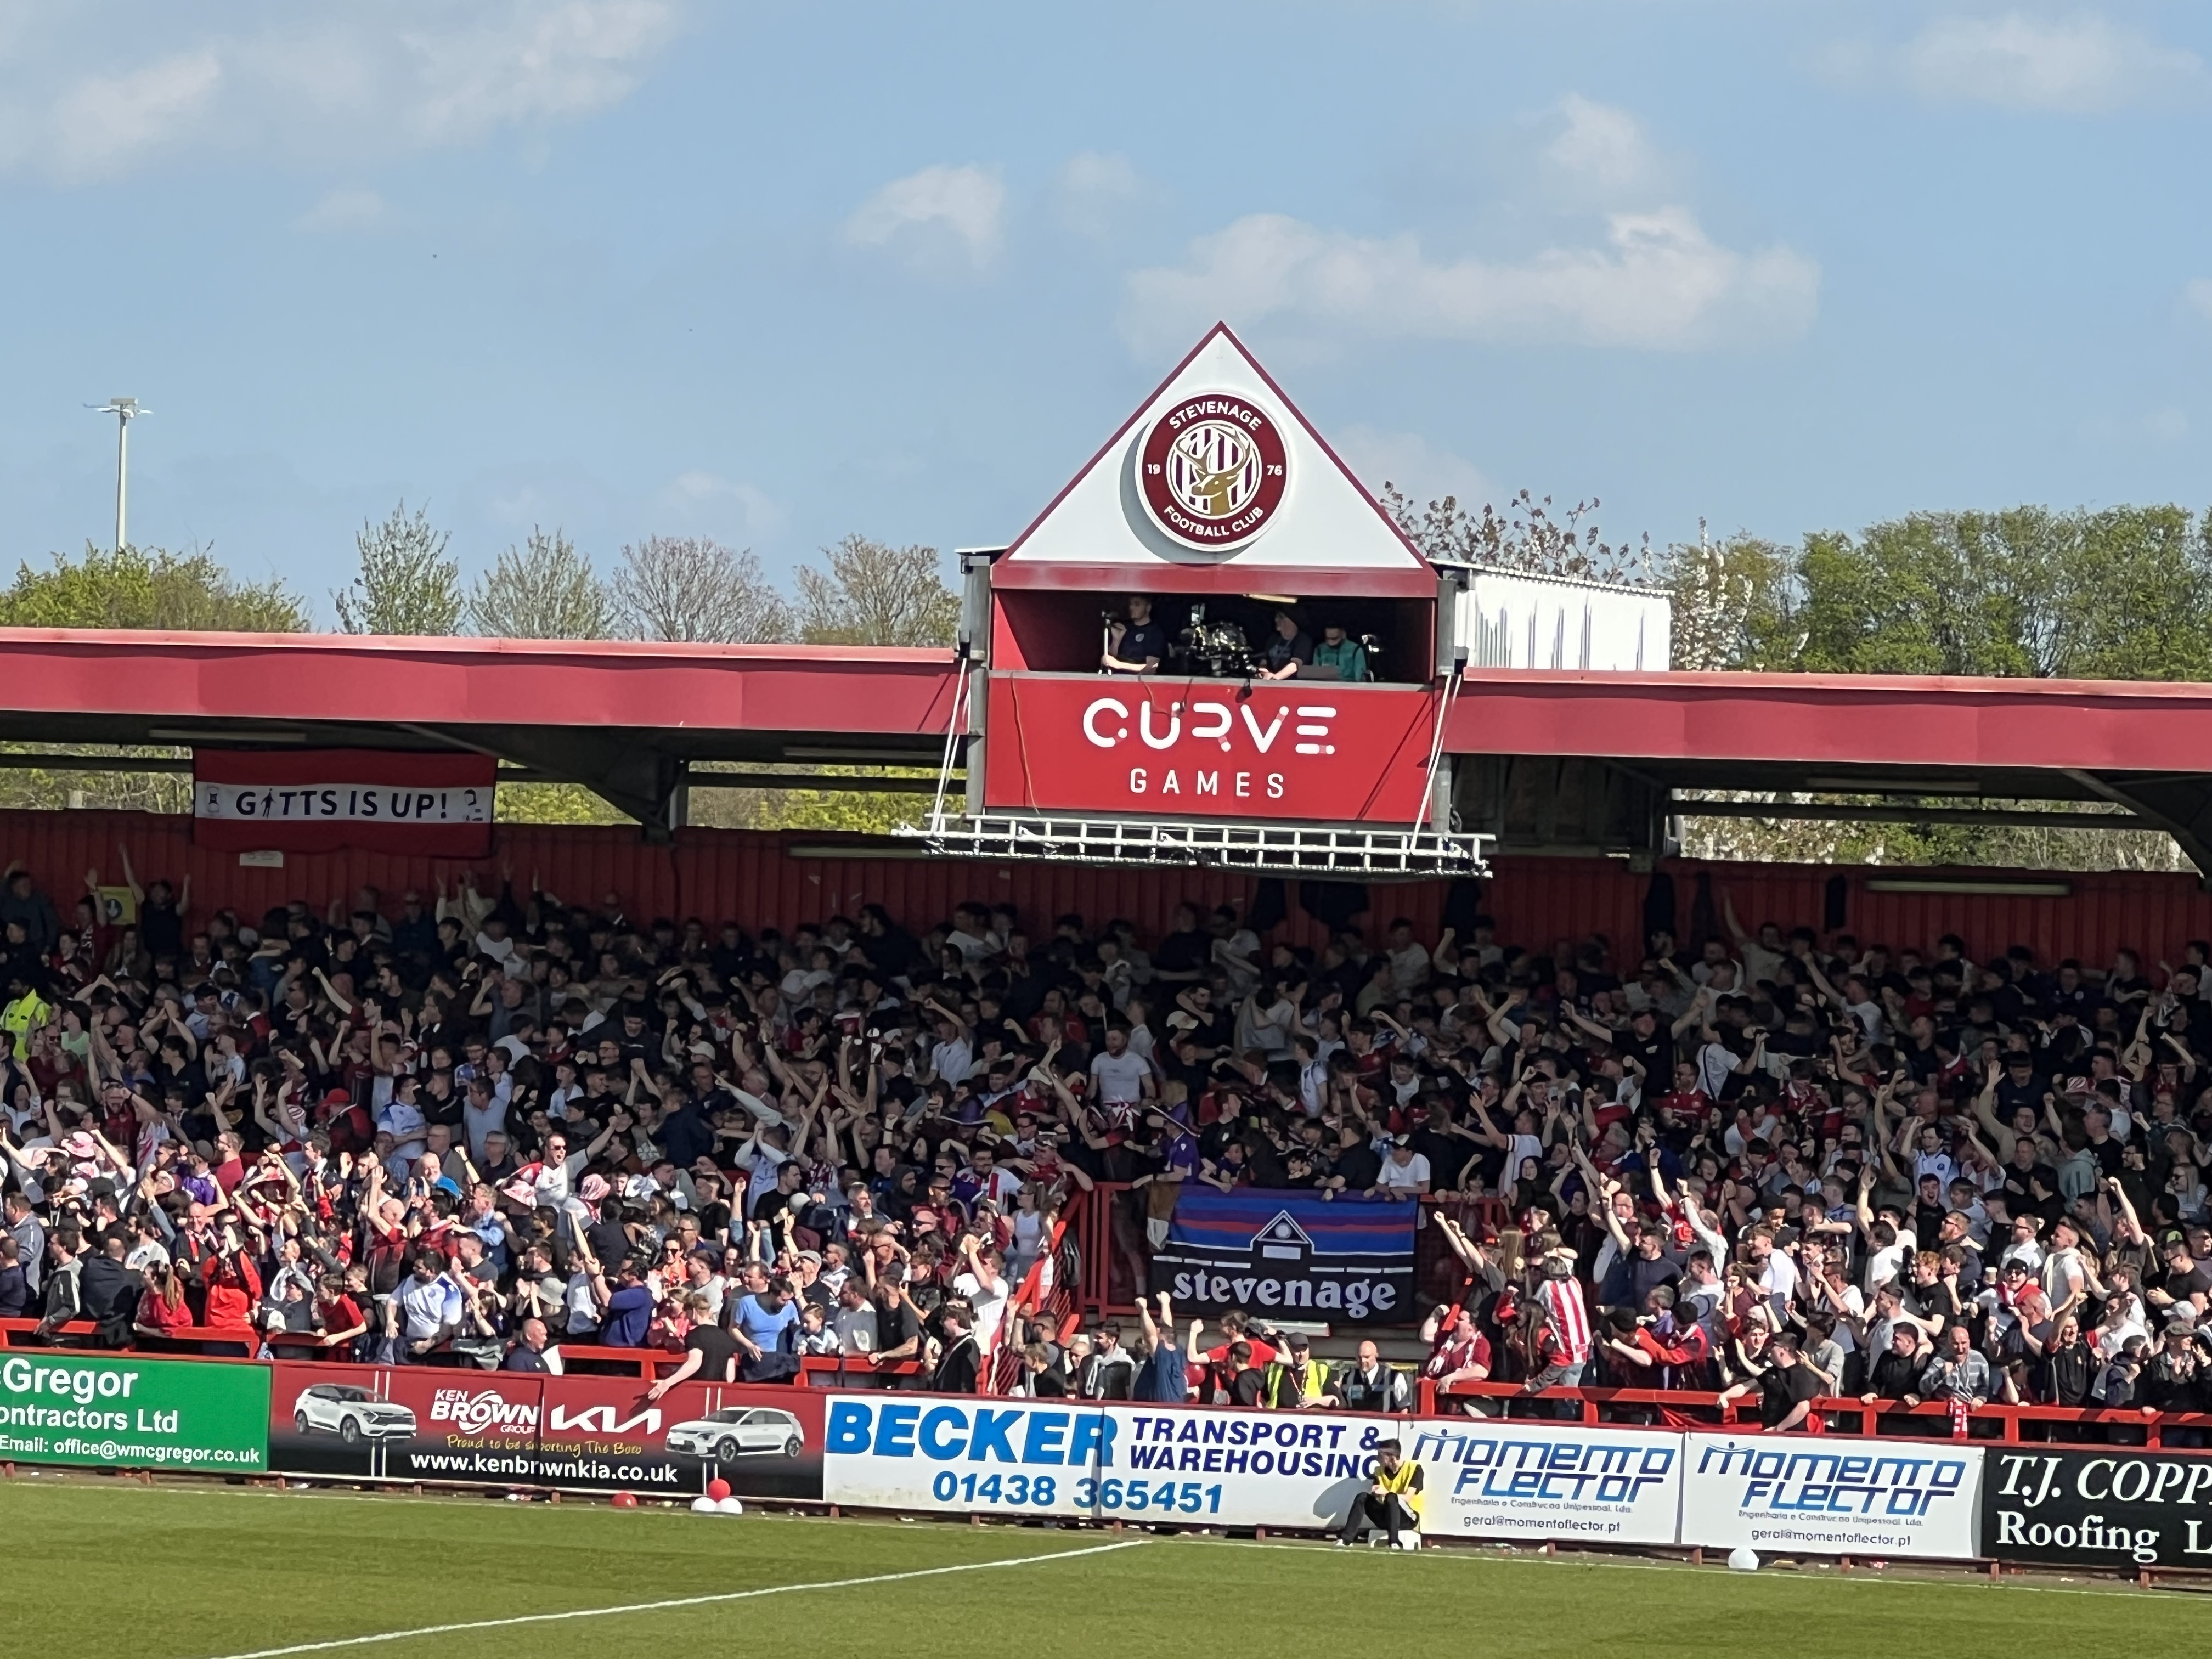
(1458, 1350)
(163, 1311)
(338, 1317)
(1212, 1378)
(234, 1286)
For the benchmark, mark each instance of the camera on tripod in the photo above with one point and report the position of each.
(1214, 647)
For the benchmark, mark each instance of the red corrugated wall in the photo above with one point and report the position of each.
(717, 873)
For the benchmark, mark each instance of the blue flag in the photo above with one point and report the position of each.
(1283, 1255)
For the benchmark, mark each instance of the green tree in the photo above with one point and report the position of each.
(1931, 593)
(544, 590)
(407, 584)
(2136, 602)
(854, 811)
(552, 803)
(148, 587)
(858, 810)
(2125, 593)
(872, 593)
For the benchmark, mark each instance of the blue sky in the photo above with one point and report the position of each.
(774, 273)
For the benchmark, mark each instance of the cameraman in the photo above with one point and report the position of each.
(1138, 646)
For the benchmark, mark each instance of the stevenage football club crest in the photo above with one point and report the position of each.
(1212, 471)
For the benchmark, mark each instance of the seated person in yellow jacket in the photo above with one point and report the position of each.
(1392, 1502)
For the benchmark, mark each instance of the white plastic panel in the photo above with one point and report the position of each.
(1507, 621)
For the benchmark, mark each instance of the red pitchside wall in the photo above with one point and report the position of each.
(715, 874)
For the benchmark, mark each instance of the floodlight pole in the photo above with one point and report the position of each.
(125, 409)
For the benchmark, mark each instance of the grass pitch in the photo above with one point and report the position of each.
(209, 1572)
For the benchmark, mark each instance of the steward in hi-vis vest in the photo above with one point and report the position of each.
(1391, 1503)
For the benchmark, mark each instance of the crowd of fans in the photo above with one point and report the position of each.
(480, 1126)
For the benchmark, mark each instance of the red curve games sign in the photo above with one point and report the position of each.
(1321, 752)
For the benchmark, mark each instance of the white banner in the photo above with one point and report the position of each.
(1198, 1466)
(932, 1452)
(1241, 1468)
(349, 802)
(1832, 1495)
(1547, 1482)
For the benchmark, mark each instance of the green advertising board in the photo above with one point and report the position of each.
(123, 1411)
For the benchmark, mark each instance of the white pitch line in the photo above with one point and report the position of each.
(680, 1601)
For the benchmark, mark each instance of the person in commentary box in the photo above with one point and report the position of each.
(1391, 1503)
(1138, 646)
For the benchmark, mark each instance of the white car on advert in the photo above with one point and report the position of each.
(737, 1431)
(352, 1413)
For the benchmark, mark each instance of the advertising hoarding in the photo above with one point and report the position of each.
(1831, 1495)
(1548, 1483)
(130, 1411)
(580, 1433)
(1317, 750)
(1243, 1468)
(1083, 1461)
(942, 1453)
(2113, 1508)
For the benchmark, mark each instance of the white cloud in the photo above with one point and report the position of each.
(1411, 462)
(2197, 295)
(1603, 147)
(103, 119)
(2168, 425)
(344, 210)
(693, 494)
(1658, 283)
(1093, 190)
(90, 91)
(921, 212)
(2076, 65)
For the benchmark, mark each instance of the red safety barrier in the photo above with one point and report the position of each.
(15, 1332)
(838, 1370)
(1678, 1409)
(1093, 1211)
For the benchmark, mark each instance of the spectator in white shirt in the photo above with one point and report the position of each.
(952, 1057)
(1119, 1078)
(402, 1119)
(1409, 959)
(1405, 1172)
(855, 1320)
(428, 1306)
(984, 1286)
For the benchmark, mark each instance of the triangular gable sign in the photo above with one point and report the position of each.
(1217, 484)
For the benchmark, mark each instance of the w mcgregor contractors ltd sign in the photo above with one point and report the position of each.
(128, 1413)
